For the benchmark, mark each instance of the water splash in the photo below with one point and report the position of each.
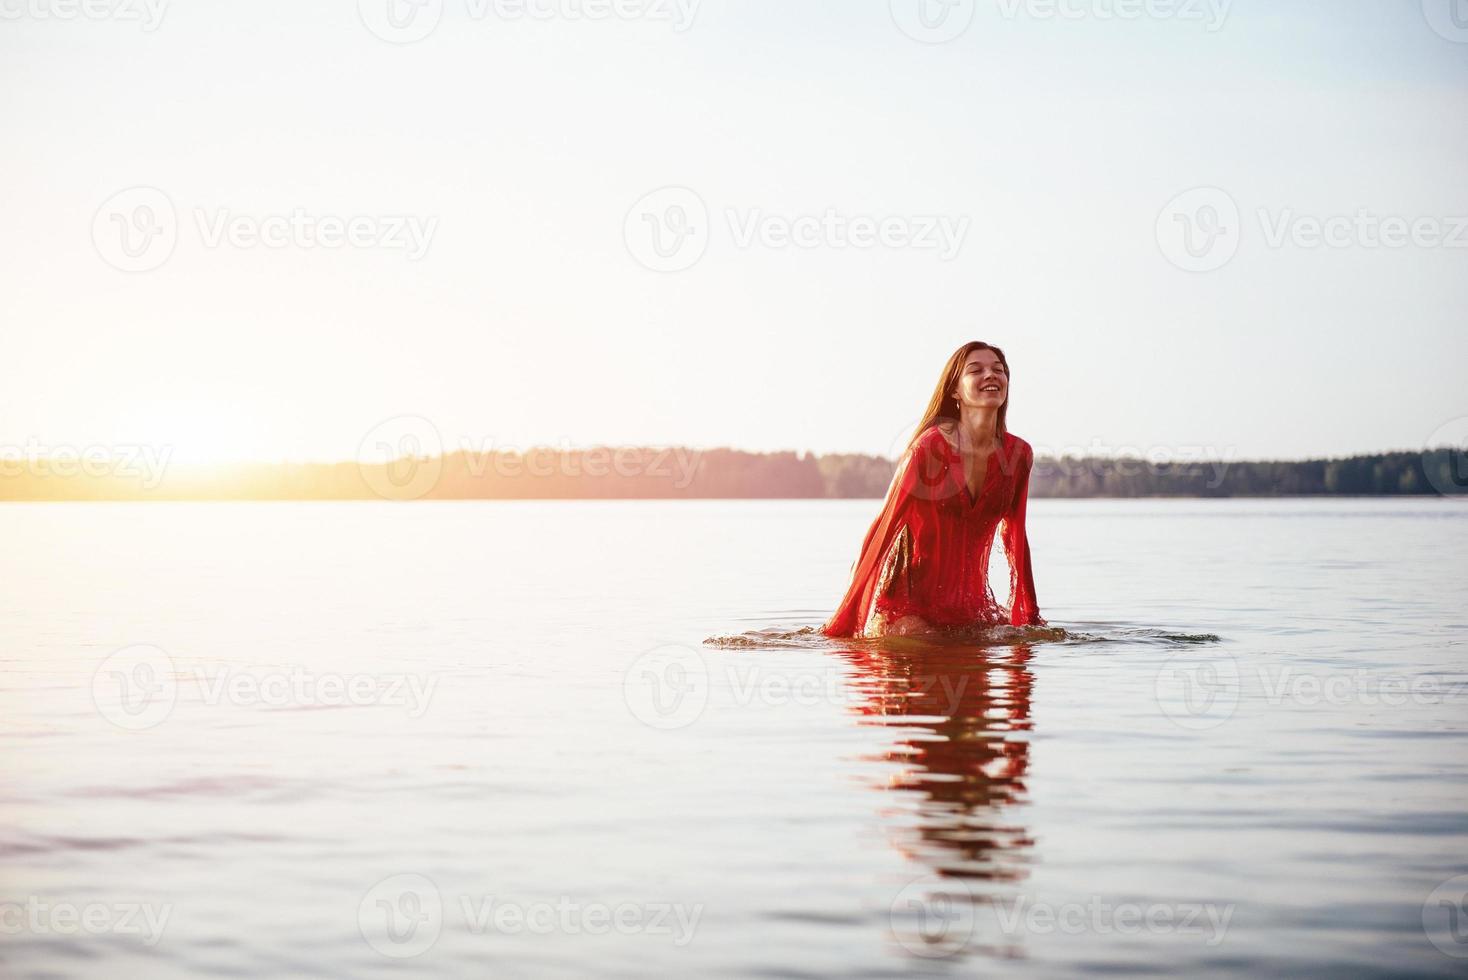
(811, 638)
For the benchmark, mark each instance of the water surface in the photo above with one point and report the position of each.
(350, 739)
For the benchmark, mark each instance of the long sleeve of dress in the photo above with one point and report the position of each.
(1024, 607)
(915, 473)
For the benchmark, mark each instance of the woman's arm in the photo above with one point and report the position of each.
(1024, 607)
(917, 474)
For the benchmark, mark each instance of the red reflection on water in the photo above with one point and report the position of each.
(962, 719)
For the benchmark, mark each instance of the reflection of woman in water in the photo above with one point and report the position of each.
(962, 718)
(925, 560)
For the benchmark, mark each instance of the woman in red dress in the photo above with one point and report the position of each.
(925, 561)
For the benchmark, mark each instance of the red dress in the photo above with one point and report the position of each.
(927, 553)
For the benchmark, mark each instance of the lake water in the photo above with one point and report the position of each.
(487, 739)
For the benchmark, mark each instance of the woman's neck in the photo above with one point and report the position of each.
(978, 427)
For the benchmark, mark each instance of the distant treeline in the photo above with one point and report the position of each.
(626, 473)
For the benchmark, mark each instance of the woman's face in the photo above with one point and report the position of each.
(982, 381)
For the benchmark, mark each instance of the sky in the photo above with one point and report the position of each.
(278, 230)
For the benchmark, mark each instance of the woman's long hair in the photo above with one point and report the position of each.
(943, 405)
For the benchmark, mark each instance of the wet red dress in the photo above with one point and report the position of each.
(927, 553)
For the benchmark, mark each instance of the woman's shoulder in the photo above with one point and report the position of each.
(1019, 446)
(941, 435)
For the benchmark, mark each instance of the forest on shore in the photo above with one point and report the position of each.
(671, 473)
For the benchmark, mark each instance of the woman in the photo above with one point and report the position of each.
(924, 562)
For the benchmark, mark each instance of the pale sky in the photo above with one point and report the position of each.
(517, 148)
